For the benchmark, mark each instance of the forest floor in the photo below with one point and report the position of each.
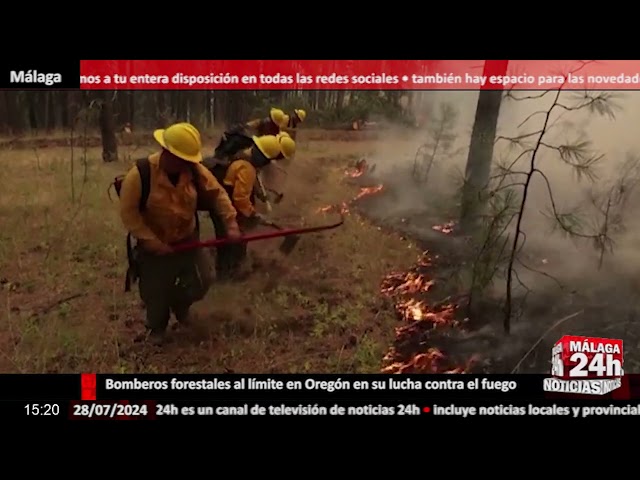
(62, 259)
(363, 298)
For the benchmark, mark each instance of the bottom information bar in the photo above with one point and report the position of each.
(166, 410)
(184, 410)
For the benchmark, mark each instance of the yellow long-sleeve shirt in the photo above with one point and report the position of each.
(169, 216)
(241, 177)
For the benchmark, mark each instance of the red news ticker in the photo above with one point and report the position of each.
(359, 74)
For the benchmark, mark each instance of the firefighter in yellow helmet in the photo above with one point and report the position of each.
(239, 177)
(294, 119)
(270, 125)
(287, 146)
(159, 198)
(267, 175)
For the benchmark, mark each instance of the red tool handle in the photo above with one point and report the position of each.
(252, 238)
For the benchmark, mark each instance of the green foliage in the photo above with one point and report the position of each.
(491, 239)
(439, 142)
(503, 237)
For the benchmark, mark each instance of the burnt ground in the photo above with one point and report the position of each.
(439, 329)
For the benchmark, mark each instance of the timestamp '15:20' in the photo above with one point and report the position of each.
(42, 409)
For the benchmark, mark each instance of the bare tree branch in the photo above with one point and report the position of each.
(577, 154)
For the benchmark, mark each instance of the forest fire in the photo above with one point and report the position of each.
(430, 362)
(447, 228)
(410, 283)
(408, 292)
(344, 208)
(419, 318)
(366, 191)
(358, 170)
(404, 288)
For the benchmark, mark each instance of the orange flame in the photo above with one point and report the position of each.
(418, 317)
(447, 228)
(403, 288)
(343, 209)
(359, 169)
(421, 363)
(365, 191)
(408, 283)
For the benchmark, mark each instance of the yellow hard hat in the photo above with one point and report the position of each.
(301, 114)
(268, 145)
(278, 117)
(287, 145)
(182, 140)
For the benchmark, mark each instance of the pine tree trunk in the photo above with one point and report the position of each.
(108, 129)
(480, 157)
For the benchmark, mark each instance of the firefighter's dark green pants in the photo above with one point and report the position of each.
(171, 284)
(229, 258)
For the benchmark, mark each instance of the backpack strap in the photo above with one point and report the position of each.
(232, 142)
(219, 169)
(144, 168)
(258, 159)
(195, 178)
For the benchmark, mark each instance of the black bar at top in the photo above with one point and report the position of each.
(40, 74)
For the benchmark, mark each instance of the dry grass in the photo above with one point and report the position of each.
(317, 310)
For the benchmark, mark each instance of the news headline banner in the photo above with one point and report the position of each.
(354, 74)
(316, 387)
(64, 387)
(329, 386)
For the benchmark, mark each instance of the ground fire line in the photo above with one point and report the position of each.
(405, 290)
